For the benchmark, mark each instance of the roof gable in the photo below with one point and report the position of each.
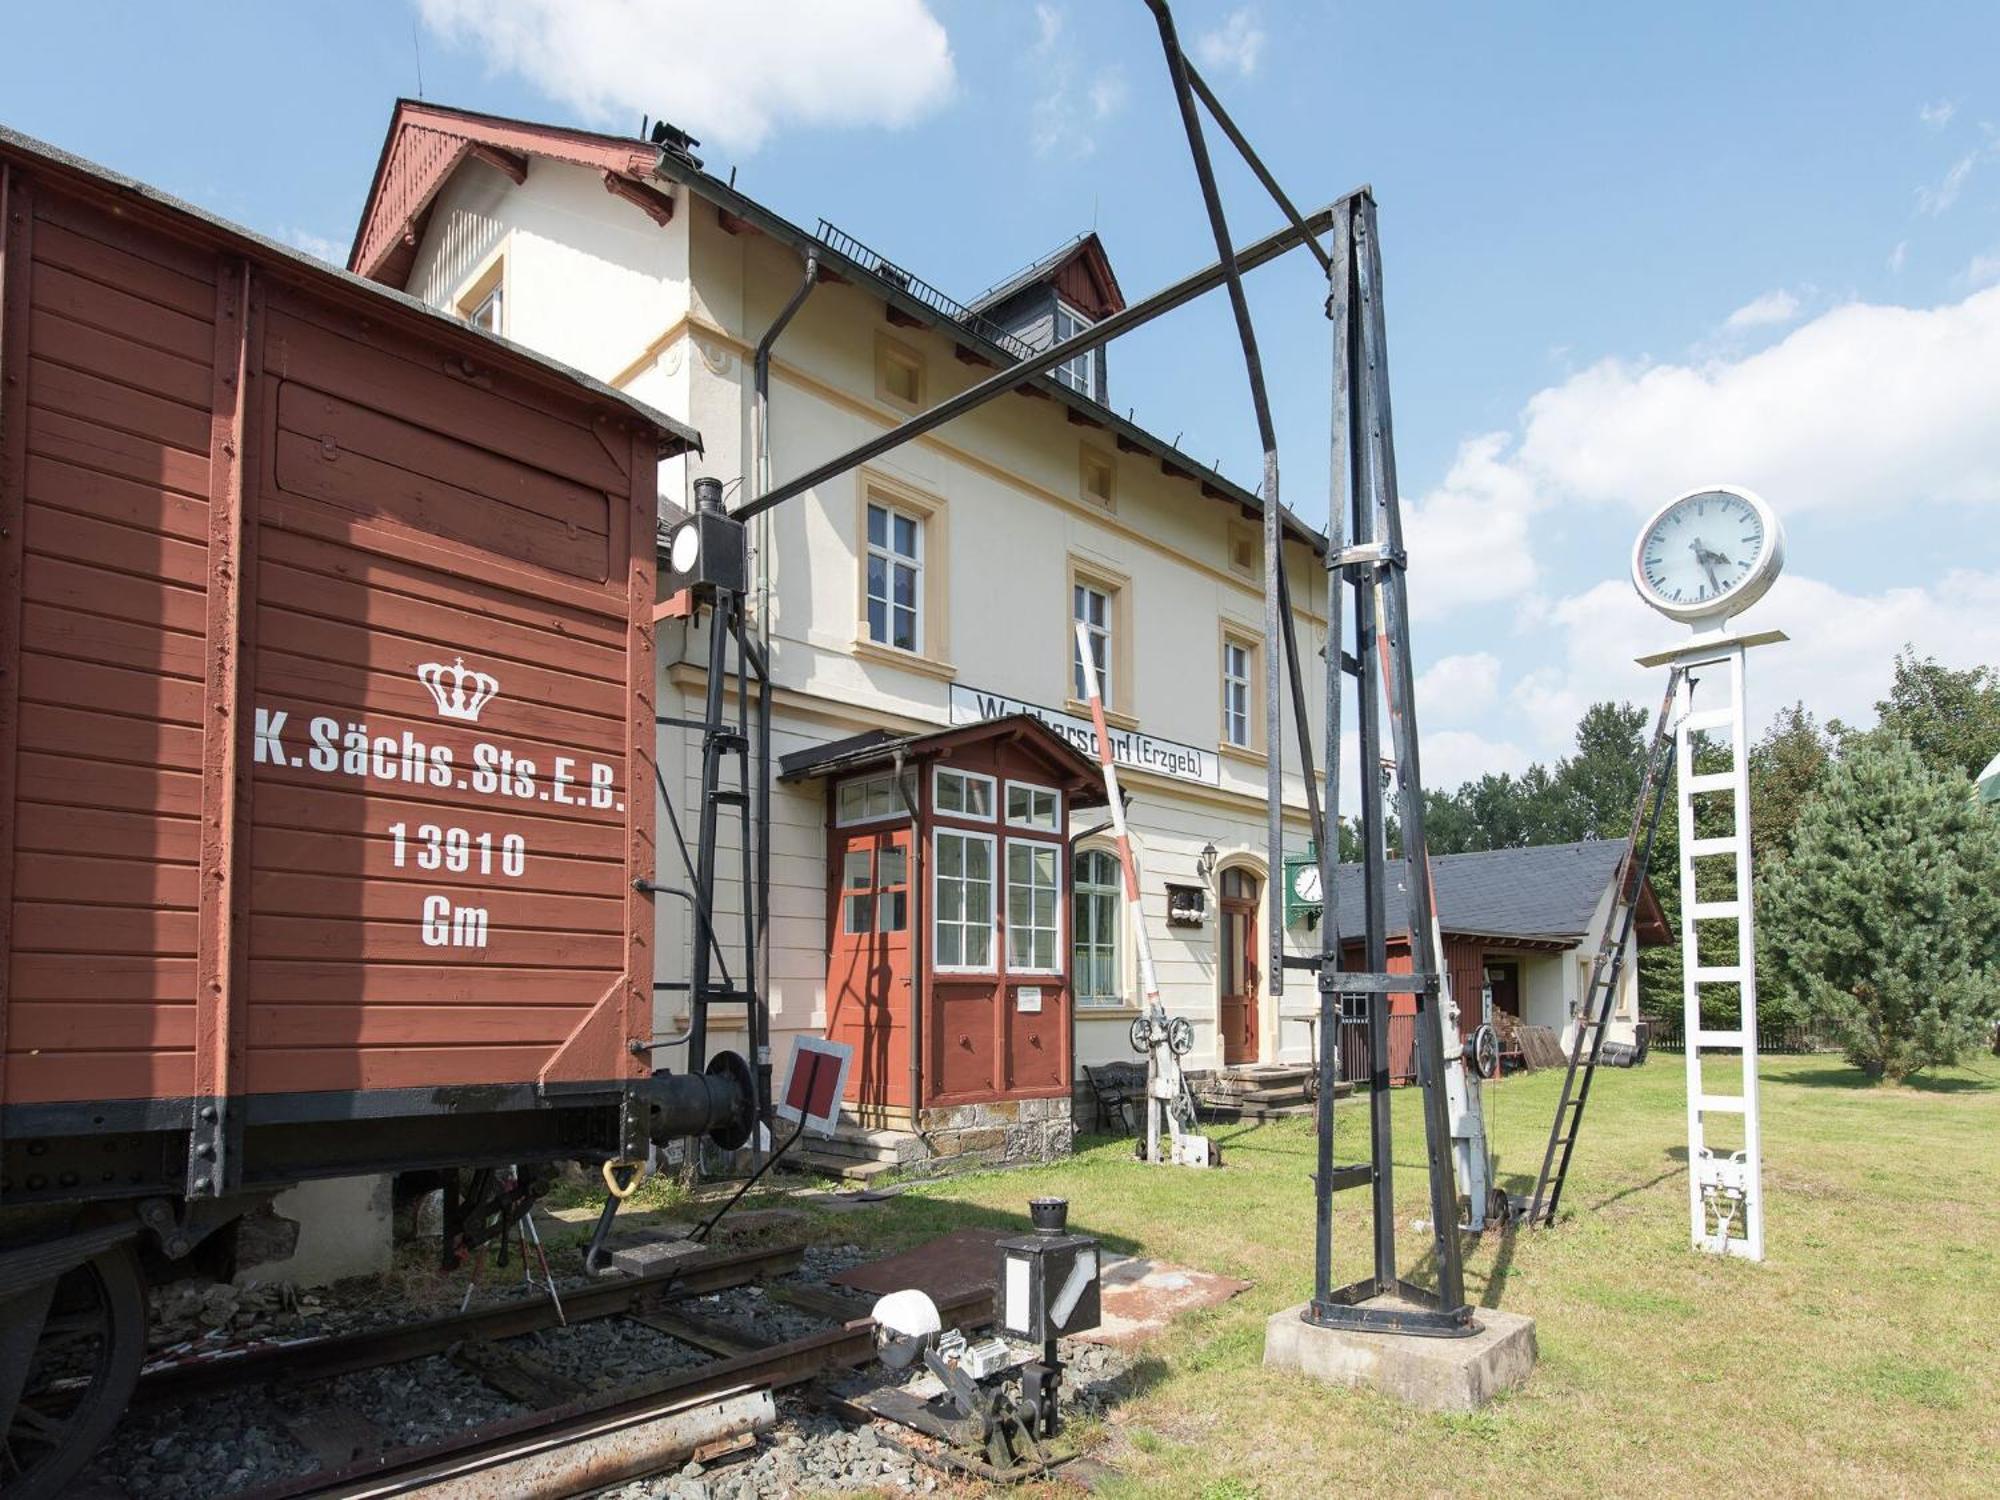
(427, 143)
(1079, 271)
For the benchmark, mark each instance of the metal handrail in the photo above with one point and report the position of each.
(884, 269)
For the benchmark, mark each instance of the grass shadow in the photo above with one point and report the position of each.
(1854, 1079)
(1679, 1152)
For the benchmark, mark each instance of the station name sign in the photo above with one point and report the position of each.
(1129, 748)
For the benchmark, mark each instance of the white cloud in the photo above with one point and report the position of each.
(1458, 689)
(1068, 107)
(334, 252)
(1452, 757)
(1237, 44)
(1936, 199)
(1861, 405)
(1772, 308)
(1937, 115)
(1864, 405)
(1838, 662)
(1898, 256)
(1468, 539)
(1108, 93)
(1983, 270)
(733, 71)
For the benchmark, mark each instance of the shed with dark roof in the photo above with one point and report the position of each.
(1542, 895)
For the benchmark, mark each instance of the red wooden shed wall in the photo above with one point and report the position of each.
(228, 493)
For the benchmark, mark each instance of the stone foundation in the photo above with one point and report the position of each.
(1005, 1133)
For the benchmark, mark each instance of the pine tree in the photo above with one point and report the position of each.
(1885, 913)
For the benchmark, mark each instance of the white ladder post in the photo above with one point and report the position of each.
(1726, 1193)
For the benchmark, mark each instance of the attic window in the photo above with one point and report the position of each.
(483, 303)
(1075, 372)
(899, 375)
(1246, 549)
(1099, 477)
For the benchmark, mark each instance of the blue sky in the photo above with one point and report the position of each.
(1628, 250)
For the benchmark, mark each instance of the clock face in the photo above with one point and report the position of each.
(1305, 884)
(1708, 553)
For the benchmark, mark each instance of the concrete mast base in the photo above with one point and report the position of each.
(1434, 1374)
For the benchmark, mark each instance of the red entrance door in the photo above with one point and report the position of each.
(1239, 967)
(868, 965)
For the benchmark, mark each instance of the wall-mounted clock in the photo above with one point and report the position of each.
(1305, 884)
(1708, 554)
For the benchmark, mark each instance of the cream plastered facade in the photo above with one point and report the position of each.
(671, 314)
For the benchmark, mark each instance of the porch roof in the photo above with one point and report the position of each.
(1079, 775)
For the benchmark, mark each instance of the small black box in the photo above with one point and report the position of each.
(706, 550)
(1050, 1283)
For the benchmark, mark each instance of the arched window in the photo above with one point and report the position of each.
(1095, 919)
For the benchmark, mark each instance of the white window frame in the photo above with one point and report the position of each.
(1061, 929)
(1233, 684)
(995, 894)
(1107, 631)
(1054, 825)
(1119, 1000)
(938, 774)
(892, 559)
(899, 812)
(496, 299)
(1075, 372)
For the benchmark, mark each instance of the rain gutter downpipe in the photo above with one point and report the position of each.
(761, 457)
(920, 989)
(761, 437)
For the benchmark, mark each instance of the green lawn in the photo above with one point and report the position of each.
(1862, 1356)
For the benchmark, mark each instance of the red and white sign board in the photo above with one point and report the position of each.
(814, 1087)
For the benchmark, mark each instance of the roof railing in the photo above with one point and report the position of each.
(910, 284)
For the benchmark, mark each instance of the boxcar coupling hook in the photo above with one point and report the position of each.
(624, 1190)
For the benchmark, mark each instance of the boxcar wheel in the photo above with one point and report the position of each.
(80, 1376)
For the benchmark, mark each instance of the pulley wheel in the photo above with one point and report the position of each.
(1142, 1034)
(1486, 1052)
(1180, 1036)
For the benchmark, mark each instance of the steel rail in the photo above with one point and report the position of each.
(338, 1354)
(792, 1362)
(1160, 303)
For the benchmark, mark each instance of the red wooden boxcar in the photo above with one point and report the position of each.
(326, 737)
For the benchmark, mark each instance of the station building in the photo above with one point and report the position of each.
(919, 614)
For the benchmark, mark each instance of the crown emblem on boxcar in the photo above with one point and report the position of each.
(460, 691)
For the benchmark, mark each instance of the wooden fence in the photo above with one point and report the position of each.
(1791, 1038)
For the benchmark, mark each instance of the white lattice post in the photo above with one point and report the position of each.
(1725, 1191)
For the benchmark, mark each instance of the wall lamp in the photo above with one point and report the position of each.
(1204, 864)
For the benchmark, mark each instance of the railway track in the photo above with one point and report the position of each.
(569, 1442)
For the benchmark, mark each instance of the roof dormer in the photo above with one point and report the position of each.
(1055, 298)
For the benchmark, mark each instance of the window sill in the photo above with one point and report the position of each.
(1115, 718)
(888, 656)
(1106, 1012)
(1246, 755)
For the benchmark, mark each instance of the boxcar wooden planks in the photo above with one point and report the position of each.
(325, 748)
(113, 514)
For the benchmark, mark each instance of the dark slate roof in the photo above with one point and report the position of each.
(876, 747)
(1042, 270)
(1547, 892)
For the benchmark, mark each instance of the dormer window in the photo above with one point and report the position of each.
(1076, 372)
